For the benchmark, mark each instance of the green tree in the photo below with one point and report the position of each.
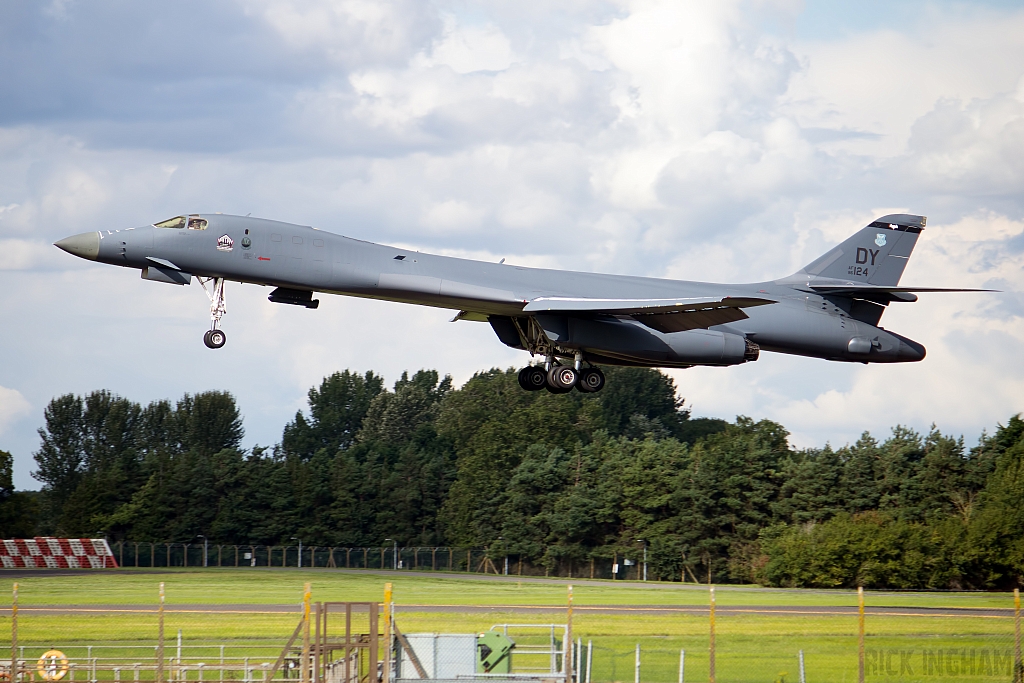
(638, 402)
(336, 412)
(18, 510)
(870, 549)
(490, 423)
(811, 486)
(208, 422)
(989, 552)
(60, 459)
(726, 494)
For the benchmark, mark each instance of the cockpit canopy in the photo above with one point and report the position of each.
(192, 222)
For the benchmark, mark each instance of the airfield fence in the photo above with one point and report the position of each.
(441, 558)
(174, 640)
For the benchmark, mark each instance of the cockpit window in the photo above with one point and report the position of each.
(196, 223)
(176, 222)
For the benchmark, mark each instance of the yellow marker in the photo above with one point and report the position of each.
(1018, 664)
(304, 677)
(386, 678)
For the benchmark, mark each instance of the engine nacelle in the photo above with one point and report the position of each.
(628, 340)
(710, 347)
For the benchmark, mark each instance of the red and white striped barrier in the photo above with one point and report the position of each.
(56, 553)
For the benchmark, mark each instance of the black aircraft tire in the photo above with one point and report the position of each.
(591, 380)
(215, 339)
(532, 378)
(561, 379)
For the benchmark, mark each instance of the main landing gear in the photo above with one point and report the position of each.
(560, 379)
(214, 337)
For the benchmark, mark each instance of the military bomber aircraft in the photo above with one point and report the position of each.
(575, 321)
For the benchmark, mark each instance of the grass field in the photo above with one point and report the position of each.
(278, 586)
(749, 647)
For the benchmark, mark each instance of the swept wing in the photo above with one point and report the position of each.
(663, 315)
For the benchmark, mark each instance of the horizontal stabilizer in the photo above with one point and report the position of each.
(663, 315)
(882, 293)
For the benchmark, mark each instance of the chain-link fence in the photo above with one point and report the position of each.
(441, 558)
(161, 641)
(168, 639)
(771, 643)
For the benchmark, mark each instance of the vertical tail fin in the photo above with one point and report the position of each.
(875, 255)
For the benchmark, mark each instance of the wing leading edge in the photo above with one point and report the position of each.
(663, 315)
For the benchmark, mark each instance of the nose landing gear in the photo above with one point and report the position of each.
(214, 337)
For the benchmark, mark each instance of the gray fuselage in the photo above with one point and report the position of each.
(302, 258)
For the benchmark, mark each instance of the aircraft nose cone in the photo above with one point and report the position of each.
(911, 351)
(86, 245)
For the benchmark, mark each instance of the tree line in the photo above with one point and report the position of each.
(550, 478)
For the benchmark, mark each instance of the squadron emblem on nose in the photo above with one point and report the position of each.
(880, 239)
(225, 243)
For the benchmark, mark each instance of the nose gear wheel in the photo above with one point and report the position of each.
(215, 339)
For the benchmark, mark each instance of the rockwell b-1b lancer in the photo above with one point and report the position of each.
(575, 321)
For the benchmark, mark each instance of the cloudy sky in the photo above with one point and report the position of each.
(721, 141)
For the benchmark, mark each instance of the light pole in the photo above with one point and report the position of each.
(640, 540)
(394, 552)
(205, 547)
(296, 538)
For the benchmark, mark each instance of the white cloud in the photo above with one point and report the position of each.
(21, 254)
(452, 216)
(468, 48)
(644, 137)
(13, 407)
(348, 31)
(883, 81)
